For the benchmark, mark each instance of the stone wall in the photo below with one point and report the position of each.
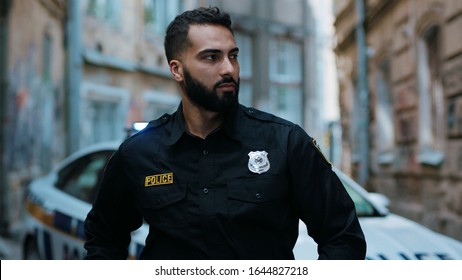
(35, 94)
(427, 193)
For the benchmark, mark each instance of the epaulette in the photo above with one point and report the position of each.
(160, 121)
(264, 116)
(151, 125)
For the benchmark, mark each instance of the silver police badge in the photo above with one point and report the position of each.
(258, 162)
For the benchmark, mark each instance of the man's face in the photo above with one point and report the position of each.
(209, 68)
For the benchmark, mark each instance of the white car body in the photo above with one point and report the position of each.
(55, 224)
(388, 236)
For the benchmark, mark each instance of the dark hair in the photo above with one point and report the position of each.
(176, 38)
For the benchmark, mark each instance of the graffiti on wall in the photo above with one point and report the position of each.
(35, 117)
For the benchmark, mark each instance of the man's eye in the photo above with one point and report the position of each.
(233, 56)
(211, 57)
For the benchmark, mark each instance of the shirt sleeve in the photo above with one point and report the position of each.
(322, 202)
(113, 216)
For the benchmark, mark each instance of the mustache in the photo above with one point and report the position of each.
(226, 80)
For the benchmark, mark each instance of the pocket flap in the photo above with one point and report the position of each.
(159, 198)
(256, 190)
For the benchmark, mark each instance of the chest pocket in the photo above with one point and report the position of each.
(258, 201)
(163, 204)
(162, 196)
(257, 190)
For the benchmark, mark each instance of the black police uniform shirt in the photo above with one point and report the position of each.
(238, 194)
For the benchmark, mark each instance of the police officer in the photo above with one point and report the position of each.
(217, 180)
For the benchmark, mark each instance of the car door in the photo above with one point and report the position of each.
(64, 203)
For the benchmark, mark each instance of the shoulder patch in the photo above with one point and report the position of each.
(318, 150)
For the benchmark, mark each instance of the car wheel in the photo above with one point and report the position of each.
(30, 251)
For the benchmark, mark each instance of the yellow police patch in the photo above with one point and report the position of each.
(158, 179)
(318, 149)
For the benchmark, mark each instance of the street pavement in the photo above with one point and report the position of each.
(10, 245)
(10, 249)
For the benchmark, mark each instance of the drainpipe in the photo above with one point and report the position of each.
(73, 75)
(4, 188)
(363, 94)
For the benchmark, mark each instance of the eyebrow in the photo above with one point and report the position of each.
(215, 51)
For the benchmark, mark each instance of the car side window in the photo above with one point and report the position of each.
(363, 207)
(81, 178)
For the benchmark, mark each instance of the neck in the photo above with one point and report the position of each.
(200, 122)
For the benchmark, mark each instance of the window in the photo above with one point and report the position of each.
(431, 99)
(46, 58)
(159, 103)
(107, 10)
(384, 115)
(363, 207)
(103, 110)
(46, 94)
(81, 178)
(101, 114)
(244, 42)
(159, 13)
(355, 121)
(285, 67)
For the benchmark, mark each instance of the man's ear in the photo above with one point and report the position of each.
(176, 68)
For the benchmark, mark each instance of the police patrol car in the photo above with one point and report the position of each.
(58, 203)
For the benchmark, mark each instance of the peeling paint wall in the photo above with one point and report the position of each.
(35, 101)
(423, 43)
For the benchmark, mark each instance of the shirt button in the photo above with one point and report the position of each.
(258, 196)
(205, 190)
(205, 152)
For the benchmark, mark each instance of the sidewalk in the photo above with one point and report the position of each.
(10, 246)
(9, 249)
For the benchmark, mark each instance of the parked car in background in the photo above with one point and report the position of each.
(57, 205)
(388, 236)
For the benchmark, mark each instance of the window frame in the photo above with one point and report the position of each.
(94, 92)
(246, 45)
(431, 97)
(163, 12)
(286, 78)
(385, 131)
(105, 10)
(153, 97)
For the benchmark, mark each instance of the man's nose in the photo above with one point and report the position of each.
(228, 67)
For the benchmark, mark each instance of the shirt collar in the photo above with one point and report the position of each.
(178, 126)
(231, 124)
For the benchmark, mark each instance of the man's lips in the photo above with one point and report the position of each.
(227, 86)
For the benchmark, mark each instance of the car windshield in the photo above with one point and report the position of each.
(363, 207)
(80, 179)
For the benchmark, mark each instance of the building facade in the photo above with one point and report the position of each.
(33, 96)
(125, 76)
(413, 55)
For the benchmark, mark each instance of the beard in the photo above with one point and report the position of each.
(200, 95)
